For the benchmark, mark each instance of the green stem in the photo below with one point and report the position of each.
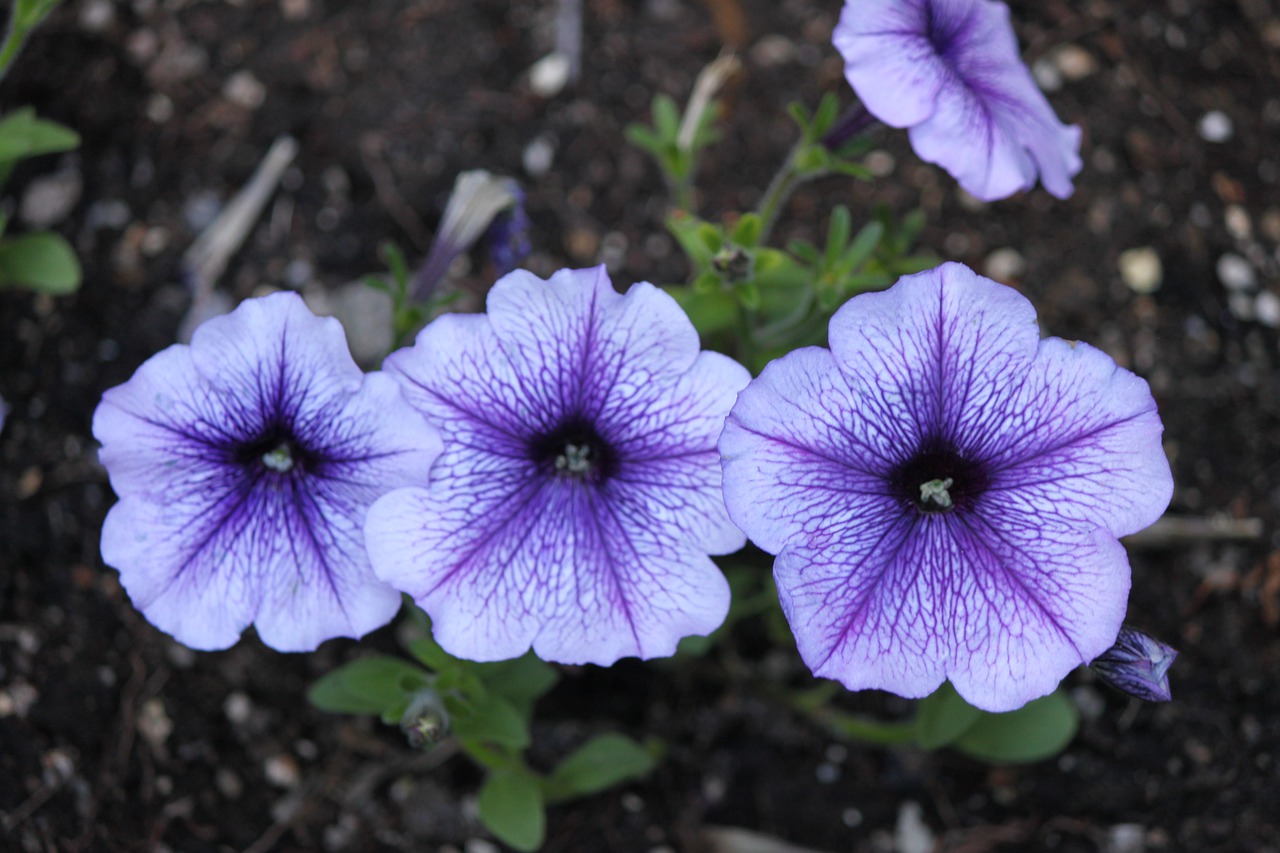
(860, 728)
(778, 191)
(24, 17)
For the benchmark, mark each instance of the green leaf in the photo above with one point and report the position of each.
(490, 719)
(942, 717)
(710, 310)
(1040, 729)
(644, 139)
(838, 232)
(521, 681)
(602, 762)
(43, 261)
(666, 118)
(369, 685)
(428, 652)
(23, 135)
(864, 245)
(747, 232)
(511, 807)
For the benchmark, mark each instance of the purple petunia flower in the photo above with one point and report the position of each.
(944, 491)
(949, 70)
(1138, 665)
(578, 494)
(245, 464)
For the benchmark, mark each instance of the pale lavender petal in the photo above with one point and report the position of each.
(949, 70)
(1002, 606)
(796, 455)
(512, 545)
(245, 463)
(944, 491)
(889, 59)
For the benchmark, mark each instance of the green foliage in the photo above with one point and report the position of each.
(676, 157)
(488, 708)
(942, 717)
(41, 261)
(600, 763)
(1040, 729)
(368, 685)
(407, 315)
(24, 17)
(511, 807)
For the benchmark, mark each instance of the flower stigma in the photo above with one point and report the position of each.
(935, 491)
(280, 459)
(575, 459)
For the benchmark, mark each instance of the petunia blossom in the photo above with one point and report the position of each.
(944, 491)
(245, 464)
(578, 495)
(949, 70)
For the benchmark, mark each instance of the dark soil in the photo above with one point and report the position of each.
(112, 737)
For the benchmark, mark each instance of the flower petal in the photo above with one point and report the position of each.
(1003, 606)
(889, 60)
(504, 553)
(208, 540)
(796, 452)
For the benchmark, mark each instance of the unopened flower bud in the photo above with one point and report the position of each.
(425, 721)
(1138, 665)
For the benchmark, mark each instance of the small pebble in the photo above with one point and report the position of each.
(479, 845)
(1267, 309)
(1047, 75)
(238, 707)
(773, 50)
(827, 773)
(1126, 838)
(282, 770)
(1074, 62)
(1236, 273)
(1005, 265)
(549, 75)
(97, 15)
(228, 783)
(1215, 126)
(1237, 221)
(295, 10)
(1241, 306)
(1141, 270)
(538, 156)
(911, 835)
(49, 199)
(244, 90)
(879, 163)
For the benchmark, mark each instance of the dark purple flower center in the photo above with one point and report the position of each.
(938, 479)
(942, 27)
(275, 451)
(574, 449)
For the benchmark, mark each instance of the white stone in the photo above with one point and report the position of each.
(1141, 270)
(911, 835)
(1236, 273)
(49, 199)
(1267, 309)
(549, 75)
(1215, 126)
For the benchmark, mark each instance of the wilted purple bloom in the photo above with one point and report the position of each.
(949, 71)
(508, 236)
(477, 198)
(1138, 665)
(245, 464)
(578, 494)
(944, 491)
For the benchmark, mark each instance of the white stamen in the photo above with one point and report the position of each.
(936, 491)
(279, 459)
(574, 459)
